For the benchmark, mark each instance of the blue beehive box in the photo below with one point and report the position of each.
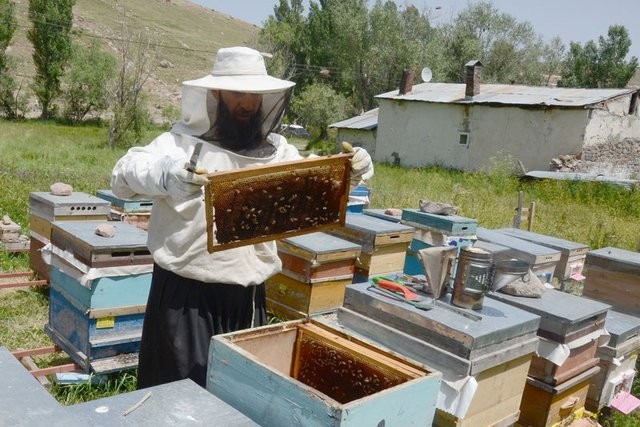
(452, 225)
(99, 289)
(125, 205)
(358, 199)
(305, 373)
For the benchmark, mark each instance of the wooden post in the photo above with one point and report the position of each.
(530, 215)
(518, 216)
(524, 213)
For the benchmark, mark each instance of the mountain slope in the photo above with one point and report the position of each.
(186, 36)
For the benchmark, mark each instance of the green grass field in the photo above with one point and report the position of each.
(34, 155)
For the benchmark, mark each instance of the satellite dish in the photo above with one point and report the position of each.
(426, 74)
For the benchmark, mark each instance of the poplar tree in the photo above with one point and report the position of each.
(50, 36)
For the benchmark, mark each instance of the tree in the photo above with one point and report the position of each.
(12, 100)
(52, 21)
(601, 65)
(509, 50)
(137, 55)
(318, 106)
(86, 80)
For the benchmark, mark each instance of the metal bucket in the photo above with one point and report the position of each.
(473, 277)
(507, 271)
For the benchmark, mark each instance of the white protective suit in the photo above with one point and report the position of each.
(177, 229)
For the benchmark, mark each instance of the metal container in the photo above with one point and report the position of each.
(474, 274)
(507, 271)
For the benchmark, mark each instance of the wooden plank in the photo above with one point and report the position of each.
(23, 284)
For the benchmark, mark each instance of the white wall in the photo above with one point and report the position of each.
(612, 123)
(358, 138)
(424, 133)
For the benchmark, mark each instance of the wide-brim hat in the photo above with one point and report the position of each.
(240, 69)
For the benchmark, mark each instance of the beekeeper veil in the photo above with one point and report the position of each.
(236, 69)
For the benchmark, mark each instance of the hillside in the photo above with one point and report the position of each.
(186, 35)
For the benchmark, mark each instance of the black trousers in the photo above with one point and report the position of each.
(180, 318)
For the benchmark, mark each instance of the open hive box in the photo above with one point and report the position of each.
(305, 373)
(264, 203)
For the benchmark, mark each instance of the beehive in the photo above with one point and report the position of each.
(490, 349)
(572, 254)
(613, 276)
(571, 321)
(134, 212)
(617, 360)
(306, 373)
(316, 268)
(542, 259)
(383, 243)
(98, 292)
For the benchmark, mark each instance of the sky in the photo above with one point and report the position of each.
(571, 20)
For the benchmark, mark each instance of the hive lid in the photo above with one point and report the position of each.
(527, 251)
(127, 236)
(561, 313)
(318, 243)
(621, 327)
(465, 333)
(565, 246)
(613, 254)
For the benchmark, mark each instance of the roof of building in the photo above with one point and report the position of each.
(454, 93)
(365, 121)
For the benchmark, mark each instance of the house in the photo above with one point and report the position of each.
(471, 125)
(359, 131)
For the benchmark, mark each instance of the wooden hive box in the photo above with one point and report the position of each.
(492, 347)
(572, 255)
(544, 405)
(613, 276)
(569, 320)
(44, 208)
(450, 225)
(542, 259)
(99, 289)
(134, 212)
(617, 360)
(316, 268)
(383, 243)
(305, 373)
(127, 247)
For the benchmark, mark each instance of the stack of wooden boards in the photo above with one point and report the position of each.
(134, 212)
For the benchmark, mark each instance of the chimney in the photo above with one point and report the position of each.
(406, 82)
(472, 78)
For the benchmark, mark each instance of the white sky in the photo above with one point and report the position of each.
(572, 20)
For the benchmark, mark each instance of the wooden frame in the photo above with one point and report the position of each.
(264, 203)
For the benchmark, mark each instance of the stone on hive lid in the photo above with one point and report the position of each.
(61, 189)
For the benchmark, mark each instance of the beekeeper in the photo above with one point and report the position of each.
(228, 122)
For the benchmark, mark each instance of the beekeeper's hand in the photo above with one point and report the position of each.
(361, 165)
(180, 183)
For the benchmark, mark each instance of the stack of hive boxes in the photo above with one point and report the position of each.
(484, 355)
(316, 268)
(98, 293)
(383, 244)
(11, 238)
(613, 277)
(435, 230)
(44, 208)
(135, 212)
(571, 330)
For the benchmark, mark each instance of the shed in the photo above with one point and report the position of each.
(359, 131)
(468, 128)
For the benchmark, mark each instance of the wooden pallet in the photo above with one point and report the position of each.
(25, 357)
(20, 279)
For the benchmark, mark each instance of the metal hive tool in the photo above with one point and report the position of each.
(264, 203)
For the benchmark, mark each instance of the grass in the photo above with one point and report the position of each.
(34, 155)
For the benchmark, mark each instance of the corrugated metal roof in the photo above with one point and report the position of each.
(365, 121)
(453, 93)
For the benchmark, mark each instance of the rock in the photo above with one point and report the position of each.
(393, 211)
(436, 208)
(61, 189)
(105, 230)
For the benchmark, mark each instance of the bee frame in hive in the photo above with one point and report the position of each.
(264, 203)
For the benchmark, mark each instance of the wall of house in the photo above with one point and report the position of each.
(421, 133)
(612, 123)
(358, 138)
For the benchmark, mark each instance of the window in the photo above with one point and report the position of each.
(463, 138)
